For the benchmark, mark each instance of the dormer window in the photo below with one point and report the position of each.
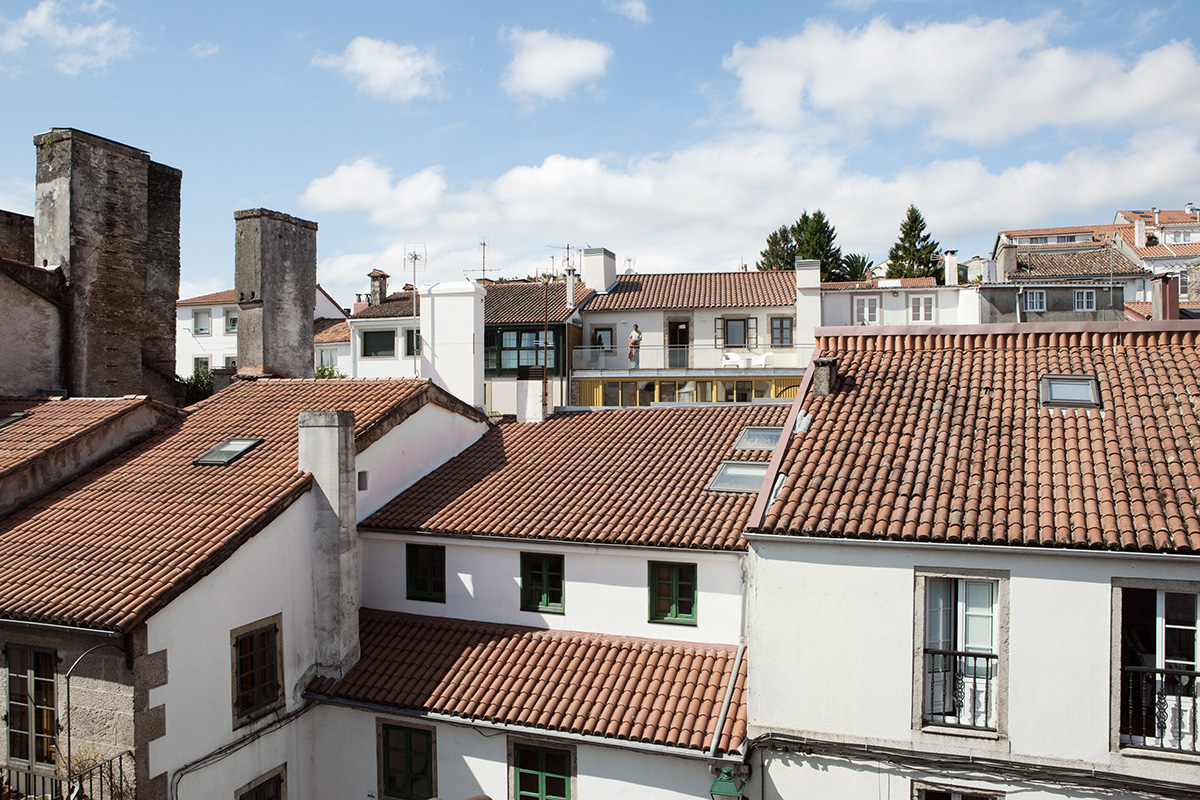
(227, 452)
(758, 439)
(738, 476)
(1069, 391)
(1039, 239)
(1181, 237)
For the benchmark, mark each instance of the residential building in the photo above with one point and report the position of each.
(206, 331)
(1165, 241)
(985, 538)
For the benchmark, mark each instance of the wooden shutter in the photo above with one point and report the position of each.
(719, 334)
(752, 332)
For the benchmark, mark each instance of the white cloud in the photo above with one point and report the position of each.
(204, 50)
(386, 69)
(975, 81)
(631, 9)
(70, 48)
(708, 206)
(546, 65)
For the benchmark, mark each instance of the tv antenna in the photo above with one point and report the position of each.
(483, 243)
(415, 255)
(566, 256)
(630, 263)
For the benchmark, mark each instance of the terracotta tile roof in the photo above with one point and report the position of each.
(615, 688)
(215, 299)
(525, 301)
(53, 423)
(699, 290)
(115, 545)
(1098, 230)
(1139, 310)
(396, 304)
(630, 476)
(1166, 216)
(1090, 261)
(940, 438)
(331, 331)
(880, 283)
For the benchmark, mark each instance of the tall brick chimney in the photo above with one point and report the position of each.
(109, 216)
(379, 291)
(274, 281)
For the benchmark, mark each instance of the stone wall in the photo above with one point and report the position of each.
(31, 328)
(16, 237)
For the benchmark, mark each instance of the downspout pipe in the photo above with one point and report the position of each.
(737, 665)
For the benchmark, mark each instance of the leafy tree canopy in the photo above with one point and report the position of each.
(912, 256)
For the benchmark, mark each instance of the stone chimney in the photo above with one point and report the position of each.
(572, 281)
(274, 281)
(379, 291)
(824, 378)
(1006, 258)
(599, 269)
(452, 338)
(950, 258)
(1164, 297)
(531, 394)
(327, 451)
(109, 216)
(1139, 233)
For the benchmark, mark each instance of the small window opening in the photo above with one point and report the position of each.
(227, 452)
(1069, 391)
(362, 480)
(9, 419)
(738, 476)
(758, 439)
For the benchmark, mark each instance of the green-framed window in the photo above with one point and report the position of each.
(32, 711)
(407, 762)
(542, 582)
(672, 592)
(541, 773)
(426, 572)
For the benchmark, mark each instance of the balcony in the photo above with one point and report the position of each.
(105, 780)
(1158, 708)
(694, 357)
(960, 689)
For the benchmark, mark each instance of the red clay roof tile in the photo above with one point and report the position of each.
(517, 302)
(699, 290)
(629, 476)
(226, 297)
(607, 686)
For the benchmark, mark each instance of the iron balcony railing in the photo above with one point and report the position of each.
(108, 780)
(1158, 708)
(698, 356)
(960, 688)
(17, 783)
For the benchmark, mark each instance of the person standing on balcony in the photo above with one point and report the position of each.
(635, 347)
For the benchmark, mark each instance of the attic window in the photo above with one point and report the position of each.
(1069, 391)
(8, 419)
(758, 439)
(227, 452)
(738, 476)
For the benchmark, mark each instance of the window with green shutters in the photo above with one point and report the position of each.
(426, 572)
(672, 592)
(540, 773)
(407, 763)
(542, 582)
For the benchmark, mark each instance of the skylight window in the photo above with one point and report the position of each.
(758, 439)
(1069, 391)
(8, 419)
(738, 476)
(227, 452)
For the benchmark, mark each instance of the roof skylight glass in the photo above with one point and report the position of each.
(227, 452)
(758, 439)
(1069, 391)
(10, 418)
(738, 476)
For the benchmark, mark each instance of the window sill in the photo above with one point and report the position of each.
(952, 730)
(691, 623)
(242, 720)
(556, 611)
(1156, 754)
(441, 600)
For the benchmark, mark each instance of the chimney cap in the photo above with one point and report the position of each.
(378, 273)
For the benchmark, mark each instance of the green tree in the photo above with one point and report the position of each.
(198, 387)
(912, 256)
(327, 371)
(809, 237)
(856, 267)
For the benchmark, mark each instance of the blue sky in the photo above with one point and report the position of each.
(677, 134)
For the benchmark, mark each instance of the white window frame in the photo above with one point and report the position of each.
(327, 356)
(198, 361)
(1039, 240)
(230, 314)
(1070, 239)
(864, 309)
(412, 342)
(362, 344)
(1181, 237)
(197, 328)
(1085, 299)
(1033, 300)
(925, 312)
(1183, 284)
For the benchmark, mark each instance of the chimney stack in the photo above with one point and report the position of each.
(1139, 233)
(379, 291)
(950, 257)
(327, 451)
(531, 394)
(599, 269)
(1006, 258)
(824, 376)
(452, 338)
(1155, 210)
(1164, 297)
(572, 280)
(109, 216)
(275, 282)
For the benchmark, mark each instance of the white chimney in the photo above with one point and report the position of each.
(531, 397)
(452, 338)
(1139, 233)
(572, 280)
(327, 452)
(951, 259)
(599, 269)
(1155, 210)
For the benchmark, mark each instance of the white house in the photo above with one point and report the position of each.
(975, 576)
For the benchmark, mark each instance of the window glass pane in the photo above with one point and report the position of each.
(627, 393)
(645, 393)
(703, 391)
(738, 477)
(529, 339)
(758, 439)
(1180, 609)
(610, 393)
(378, 344)
(509, 339)
(939, 599)
(735, 333)
(1062, 390)
(508, 359)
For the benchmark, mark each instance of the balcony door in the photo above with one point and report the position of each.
(679, 338)
(1158, 669)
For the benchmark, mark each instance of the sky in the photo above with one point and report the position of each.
(676, 134)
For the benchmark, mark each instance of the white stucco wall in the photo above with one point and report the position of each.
(842, 614)
(217, 345)
(473, 761)
(502, 394)
(605, 586)
(953, 305)
(397, 366)
(270, 574)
